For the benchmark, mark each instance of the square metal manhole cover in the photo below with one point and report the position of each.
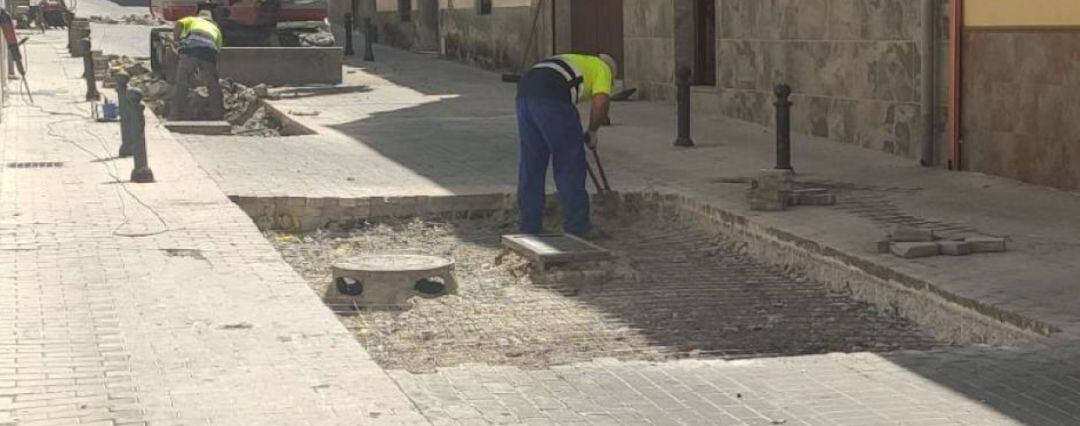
(555, 248)
(35, 164)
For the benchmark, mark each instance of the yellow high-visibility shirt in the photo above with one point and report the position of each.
(595, 74)
(203, 26)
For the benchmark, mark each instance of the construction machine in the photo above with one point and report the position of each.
(275, 42)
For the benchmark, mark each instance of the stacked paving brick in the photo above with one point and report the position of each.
(910, 243)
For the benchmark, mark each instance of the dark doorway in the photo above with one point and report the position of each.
(705, 42)
(597, 27)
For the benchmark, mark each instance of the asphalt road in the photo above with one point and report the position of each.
(119, 39)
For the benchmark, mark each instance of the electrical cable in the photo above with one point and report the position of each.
(110, 169)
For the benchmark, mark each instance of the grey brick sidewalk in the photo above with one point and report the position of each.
(157, 303)
(974, 386)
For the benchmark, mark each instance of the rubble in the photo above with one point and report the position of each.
(244, 108)
(145, 20)
(316, 39)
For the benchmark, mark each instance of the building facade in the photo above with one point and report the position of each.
(875, 74)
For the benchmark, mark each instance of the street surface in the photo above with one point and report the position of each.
(116, 39)
(162, 303)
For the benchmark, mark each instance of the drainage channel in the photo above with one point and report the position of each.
(677, 287)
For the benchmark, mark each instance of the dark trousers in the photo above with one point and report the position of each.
(550, 131)
(191, 64)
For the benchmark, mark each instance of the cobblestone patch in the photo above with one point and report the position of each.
(674, 291)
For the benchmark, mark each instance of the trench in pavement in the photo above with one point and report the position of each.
(678, 288)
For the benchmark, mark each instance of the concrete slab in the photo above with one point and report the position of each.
(210, 128)
(555, 248)
(280, 66)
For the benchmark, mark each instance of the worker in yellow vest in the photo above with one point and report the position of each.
(199, 43)
(550, 130)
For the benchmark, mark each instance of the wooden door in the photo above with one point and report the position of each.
(705, 43)
(597, 27)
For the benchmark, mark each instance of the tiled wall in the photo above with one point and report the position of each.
(1021, 100)
(854, 66)
(649, 46)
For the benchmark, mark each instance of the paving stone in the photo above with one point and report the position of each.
(915, 250)
(94, 348)
(955, 248)
(986, 244)
(907, 234)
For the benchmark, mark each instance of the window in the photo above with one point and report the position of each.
(483, 7)
(404, 8)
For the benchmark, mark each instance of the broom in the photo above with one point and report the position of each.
(513, 77)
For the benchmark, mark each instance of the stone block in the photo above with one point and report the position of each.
(199, 127)
(986, 244)
(907, 234)
(884, 246)
(279, 66)
(811, 197)
(915, 250)
(771, 190)
(955, 248)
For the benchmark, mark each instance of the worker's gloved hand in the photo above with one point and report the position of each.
(592, 139)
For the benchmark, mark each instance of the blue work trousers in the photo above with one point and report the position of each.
(551, 130)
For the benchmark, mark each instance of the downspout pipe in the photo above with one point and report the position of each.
(929, 82)
(956, 25)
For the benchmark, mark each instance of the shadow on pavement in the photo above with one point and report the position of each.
(467, 140)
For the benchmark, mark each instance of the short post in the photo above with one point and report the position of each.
(122, 78)
(682, 82)
(349, 35)
(142, 172)
(88, 71)
(783, 127)
(369, 39)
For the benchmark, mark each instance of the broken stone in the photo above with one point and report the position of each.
(915, 250)
(317, 39)
(955, 248)
(907, 234)
(771, 190)
(986, 244)
(261, 91)
(156, 90)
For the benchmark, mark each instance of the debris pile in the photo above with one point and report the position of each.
(244, 108)
(316, 39)
(145, 20)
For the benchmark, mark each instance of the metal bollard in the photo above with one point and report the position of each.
(142, 172)
(783, 127)
(349, 35)
(121, 78)
(682, 82)
(369, 39)
(88, 71)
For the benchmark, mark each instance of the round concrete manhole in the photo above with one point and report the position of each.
(388, 280)
(397, 263)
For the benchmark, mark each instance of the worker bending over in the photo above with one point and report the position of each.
(550, 129)
(200, 41)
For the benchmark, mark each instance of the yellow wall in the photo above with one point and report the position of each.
(1022, 13)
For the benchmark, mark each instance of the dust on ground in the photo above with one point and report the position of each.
(673, 291)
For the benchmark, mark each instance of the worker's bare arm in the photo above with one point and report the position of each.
(601, 104)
